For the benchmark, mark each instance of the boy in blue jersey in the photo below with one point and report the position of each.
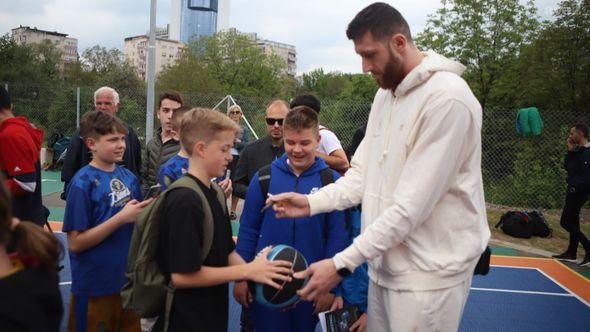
(103, 201)
(176, 166)
(317, 237)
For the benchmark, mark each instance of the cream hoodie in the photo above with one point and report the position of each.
(418, 175)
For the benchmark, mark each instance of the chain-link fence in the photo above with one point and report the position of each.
(518, 171)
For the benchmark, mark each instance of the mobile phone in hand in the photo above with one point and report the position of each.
(153, 191)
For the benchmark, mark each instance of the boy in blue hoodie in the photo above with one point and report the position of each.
(316, 237)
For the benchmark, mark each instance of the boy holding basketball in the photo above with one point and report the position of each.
(200, 301)
(317, 237)
(101, 205)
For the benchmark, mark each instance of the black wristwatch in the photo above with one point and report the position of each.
(344, 272)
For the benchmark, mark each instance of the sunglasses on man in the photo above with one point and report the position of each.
(272, 121)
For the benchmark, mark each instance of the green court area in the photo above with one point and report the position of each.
(51, 182)
(51, 188)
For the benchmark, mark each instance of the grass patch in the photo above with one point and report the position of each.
(557, 244)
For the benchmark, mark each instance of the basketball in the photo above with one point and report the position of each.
(273, 298)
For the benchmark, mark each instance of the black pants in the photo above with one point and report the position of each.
(570, 220)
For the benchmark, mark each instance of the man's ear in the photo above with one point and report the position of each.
(398, 42)
(90, 143)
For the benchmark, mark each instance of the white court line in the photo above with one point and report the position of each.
(548, 277)
(65, 283)
(515, 267)
(565, 288)
(48, 180)
(520, 291)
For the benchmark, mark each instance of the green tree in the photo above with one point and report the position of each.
(28, 64)
(362, 88)
(108, 67)
(324, 85)
(187, 74)
(553, 71)
(484, 35)
(239, 66)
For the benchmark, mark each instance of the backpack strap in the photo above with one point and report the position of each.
(326, 176)
(264, 180)
(220, 196)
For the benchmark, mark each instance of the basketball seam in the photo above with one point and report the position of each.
(284, 281)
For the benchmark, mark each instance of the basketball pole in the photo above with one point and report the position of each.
(151, 75)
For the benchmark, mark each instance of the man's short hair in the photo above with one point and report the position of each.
(300, 118)
(5, 102)
(308, 100)
(104, 89)
(202, 124)
(95, 124)
(582, 128)
(381, 19)
(172, 95)
(177, 116)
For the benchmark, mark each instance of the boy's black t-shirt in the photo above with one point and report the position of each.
(194, 309)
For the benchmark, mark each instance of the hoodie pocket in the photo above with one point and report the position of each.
(397, 260)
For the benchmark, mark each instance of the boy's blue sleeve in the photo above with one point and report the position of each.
(338, 238)
(250, 221)
(338, 235)
(363, 287)
(355, 288)
(78, 214)
(161, 178)
(136, 189)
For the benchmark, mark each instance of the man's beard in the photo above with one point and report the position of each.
(393, 73)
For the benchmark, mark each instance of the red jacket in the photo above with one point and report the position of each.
(20, 145)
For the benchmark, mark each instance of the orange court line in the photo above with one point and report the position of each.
(567, 277)
(56, 225)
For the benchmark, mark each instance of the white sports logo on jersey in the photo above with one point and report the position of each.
(120, 194)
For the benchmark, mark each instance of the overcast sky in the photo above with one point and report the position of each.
(315, 27)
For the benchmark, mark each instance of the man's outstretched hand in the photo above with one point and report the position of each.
(290, 205)
(323, 278)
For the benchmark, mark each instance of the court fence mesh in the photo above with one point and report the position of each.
(518, 171)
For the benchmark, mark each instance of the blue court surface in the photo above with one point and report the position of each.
(507, 299)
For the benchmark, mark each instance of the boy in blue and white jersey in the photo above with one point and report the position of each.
(102, 203)
(176, 166)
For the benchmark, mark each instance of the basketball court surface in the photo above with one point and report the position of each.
(519, 293)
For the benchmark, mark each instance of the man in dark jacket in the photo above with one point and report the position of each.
(577, 165)
(162, 146)
(263, 151)
(107, 100)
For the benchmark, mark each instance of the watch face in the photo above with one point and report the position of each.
(344, 272)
